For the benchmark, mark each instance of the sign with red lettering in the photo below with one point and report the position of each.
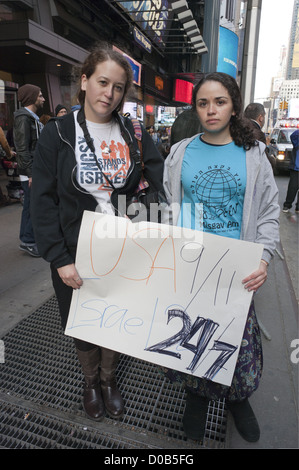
(164, 294)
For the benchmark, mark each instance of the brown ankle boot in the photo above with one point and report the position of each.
(111, 395)
(92, 397)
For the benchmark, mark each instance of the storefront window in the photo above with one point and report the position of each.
(8, 105)
(167, 115)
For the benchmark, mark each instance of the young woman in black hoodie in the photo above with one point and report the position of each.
(82, 161)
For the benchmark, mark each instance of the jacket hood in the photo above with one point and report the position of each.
(23, 112)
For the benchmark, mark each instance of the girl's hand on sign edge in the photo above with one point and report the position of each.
(70, 276)
(257, 278)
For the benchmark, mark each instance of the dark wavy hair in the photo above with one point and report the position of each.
(240, 128)
(101, 52)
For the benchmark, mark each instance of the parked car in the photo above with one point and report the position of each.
(280, 147)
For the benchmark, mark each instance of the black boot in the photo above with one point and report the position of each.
(111, 395)
(245, 420)
(195, 416)
(92, 397)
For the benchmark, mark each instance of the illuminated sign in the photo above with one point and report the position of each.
(149, 109)
(159, 84)
(130, 108)
(183, 91)
(142, 40)
(135, 66)
(228, 52)
(151, 16)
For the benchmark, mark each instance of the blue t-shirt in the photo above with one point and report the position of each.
(214, 181)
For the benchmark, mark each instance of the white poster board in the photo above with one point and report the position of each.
(164, 294)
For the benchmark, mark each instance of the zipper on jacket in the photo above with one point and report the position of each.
(64, 140)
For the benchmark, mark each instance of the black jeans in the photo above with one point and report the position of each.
(26, 229)
(64, 298)
(293, 188)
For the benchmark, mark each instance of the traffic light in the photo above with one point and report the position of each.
(283, 104)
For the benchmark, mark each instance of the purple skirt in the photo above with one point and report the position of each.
(247, 373)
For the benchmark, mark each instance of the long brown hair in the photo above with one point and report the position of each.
(102, 52)
(240, 129)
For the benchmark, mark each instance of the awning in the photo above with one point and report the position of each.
(27, 46)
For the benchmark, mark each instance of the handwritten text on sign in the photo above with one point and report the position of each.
(163, 294)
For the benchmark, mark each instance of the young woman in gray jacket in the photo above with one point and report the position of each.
(228, 172)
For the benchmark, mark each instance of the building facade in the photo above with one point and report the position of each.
(169, 43)
(293, 56)
(284, 98)
(45, 42)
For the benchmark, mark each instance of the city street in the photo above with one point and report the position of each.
(26, 286)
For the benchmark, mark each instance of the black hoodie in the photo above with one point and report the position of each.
(57, 201)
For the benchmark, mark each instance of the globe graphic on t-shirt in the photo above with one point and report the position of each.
(216, 188)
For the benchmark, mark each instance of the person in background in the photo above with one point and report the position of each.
(75, 107)
(45, 118)
(293, 186)
(227, 143)
(164, 135)
(164, 149)
(255, 113)
(66, 182)
(9, 138)
(154, 134)
(26, 131)
(5, 145)
(60, 110)
(185, 125)
(9, 153)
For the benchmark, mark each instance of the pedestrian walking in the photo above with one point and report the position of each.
(9, 153)
(256, 114)
(226, 146)
(26, 131)
(81, 159)
(5, 151)
(293, 186)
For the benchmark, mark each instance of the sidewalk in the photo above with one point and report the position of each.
(43, 377)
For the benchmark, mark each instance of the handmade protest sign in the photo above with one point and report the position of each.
(164, 294)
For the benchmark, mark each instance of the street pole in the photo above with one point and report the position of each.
(211, 35)
(252, 29)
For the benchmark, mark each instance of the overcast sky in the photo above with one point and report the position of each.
(275, 27)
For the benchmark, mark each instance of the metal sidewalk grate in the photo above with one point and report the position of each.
(41, 378)
(35, 430)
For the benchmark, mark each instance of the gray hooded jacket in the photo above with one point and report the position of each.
(260, 222)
